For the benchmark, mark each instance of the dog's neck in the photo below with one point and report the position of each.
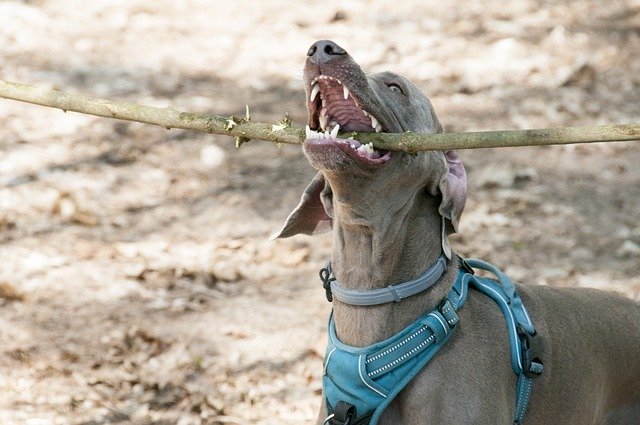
(376, 251)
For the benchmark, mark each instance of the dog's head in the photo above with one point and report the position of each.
(340, 95)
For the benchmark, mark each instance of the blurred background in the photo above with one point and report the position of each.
(137, 284)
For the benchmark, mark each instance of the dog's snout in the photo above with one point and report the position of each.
(324, 51)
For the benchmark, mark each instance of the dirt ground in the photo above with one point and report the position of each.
(137, 281)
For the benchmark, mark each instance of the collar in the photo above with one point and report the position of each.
(391, 293)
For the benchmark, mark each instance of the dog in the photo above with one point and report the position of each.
(391, 213)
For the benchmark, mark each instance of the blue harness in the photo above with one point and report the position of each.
(359, 383)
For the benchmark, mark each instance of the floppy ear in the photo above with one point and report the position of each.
(453, 187)
(312, 216)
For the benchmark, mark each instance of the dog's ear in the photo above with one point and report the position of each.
(313, 215)
(453, 188)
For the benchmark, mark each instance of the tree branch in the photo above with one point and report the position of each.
(243, 129)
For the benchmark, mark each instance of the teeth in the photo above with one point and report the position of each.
(314, 92)
(334, 132)
(378, 128)
(368, 149)
(345, 90)
(366, 114)
(309, 133)
(374, 121)
(327, 135)
(323, 121)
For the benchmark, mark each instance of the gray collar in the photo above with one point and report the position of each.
(392, 293)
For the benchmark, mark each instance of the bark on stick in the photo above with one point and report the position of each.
(243, 129)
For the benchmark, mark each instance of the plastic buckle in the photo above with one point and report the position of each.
(465, 266)
(531, 352)
(343, 413)
(326, 278)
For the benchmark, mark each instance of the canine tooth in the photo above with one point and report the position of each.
(374, 121)
(378, 128)
(323, 121)
(345, 90)
(334, 131)
(309, 133)
(314, 92)
(366, 114)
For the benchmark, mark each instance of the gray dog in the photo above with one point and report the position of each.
(391, 213)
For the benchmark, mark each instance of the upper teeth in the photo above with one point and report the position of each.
(374, 121)
(314, 92)
(323, 121)
(315, 87)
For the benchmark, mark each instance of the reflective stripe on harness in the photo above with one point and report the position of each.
(363, 381)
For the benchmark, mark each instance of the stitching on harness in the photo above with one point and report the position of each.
(398, 345)
(405, 356)
(365, 382)
(523, 406)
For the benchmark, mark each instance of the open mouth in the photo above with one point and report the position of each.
(333, 108)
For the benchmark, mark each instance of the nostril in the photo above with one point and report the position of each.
(333, 49)
(325, 50)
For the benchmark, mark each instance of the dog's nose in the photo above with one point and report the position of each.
(324, 51)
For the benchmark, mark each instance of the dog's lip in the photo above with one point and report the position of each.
(346, 148)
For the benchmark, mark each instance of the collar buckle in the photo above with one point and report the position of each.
(465, 266)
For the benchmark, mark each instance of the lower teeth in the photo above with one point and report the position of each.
(367, 149)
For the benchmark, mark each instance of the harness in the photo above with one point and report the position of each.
(359, 383)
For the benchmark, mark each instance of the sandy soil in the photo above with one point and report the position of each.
(137, 283)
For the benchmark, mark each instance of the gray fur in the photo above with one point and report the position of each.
(387, 229)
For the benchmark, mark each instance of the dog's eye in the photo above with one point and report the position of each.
(394, 87)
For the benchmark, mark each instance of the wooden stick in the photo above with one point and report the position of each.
(243, 129)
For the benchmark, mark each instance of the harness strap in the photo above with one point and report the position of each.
(361, 382)
(434, 328)
(524, 361)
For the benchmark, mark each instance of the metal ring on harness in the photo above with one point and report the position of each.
(331, 416)
(326, 421)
